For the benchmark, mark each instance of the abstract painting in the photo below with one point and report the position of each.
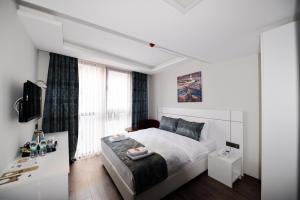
(189, 87)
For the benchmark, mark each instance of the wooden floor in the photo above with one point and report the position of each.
(88, 180)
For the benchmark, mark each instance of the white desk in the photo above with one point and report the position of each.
(49, 181)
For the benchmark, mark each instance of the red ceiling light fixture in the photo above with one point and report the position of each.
(151, 45)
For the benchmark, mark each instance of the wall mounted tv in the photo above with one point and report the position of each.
(30, 107)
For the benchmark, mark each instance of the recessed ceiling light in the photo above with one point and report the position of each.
(183, 5)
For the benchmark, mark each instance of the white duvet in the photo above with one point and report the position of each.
(177, 150)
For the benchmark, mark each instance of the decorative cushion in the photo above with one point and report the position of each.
(189, 129)
(168, 124)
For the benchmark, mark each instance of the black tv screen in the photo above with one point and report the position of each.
(30, 107)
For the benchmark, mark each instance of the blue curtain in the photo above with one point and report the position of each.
(61, 101)
(139, 98)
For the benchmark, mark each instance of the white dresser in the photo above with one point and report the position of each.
(48, 182)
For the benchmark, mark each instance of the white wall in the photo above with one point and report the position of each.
(42, 74)
(280, 113)
(232, 85)
(17, 65)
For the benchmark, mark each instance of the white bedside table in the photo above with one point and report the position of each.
(225, 169)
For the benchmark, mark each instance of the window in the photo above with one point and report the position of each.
(104, 105)
(91, 109)
(118, 110)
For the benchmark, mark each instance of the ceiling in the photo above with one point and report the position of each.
(118, 32)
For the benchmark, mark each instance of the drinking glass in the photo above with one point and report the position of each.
(43, 147)
(33, 149)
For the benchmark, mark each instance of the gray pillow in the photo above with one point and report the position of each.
(168, 124)
(189, 129)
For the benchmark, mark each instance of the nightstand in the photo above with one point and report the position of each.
(225, 169)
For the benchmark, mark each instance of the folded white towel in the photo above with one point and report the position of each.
(137, 151)
(117, 138)
(140, 156)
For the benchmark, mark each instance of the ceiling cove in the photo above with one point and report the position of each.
(94, 42)
(211, 30)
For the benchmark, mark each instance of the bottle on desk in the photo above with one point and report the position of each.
(38, 135)
(43, 146)
(38, 144)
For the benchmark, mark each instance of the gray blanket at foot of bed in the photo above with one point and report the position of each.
(147, 171)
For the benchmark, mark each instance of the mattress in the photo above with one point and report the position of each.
(177, 150)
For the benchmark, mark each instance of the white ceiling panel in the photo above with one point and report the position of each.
(183, 5)
(44, 32)
(205, 32)
(84, 35)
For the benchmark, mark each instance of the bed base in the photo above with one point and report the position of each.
(184, 175)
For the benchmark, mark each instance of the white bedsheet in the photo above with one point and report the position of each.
(177, 150)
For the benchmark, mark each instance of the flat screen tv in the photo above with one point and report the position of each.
(30, 107)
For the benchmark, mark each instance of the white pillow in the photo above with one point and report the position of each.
(204, 131)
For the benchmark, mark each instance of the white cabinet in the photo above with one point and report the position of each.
(48, 182)
(225, 169)
(280, 109)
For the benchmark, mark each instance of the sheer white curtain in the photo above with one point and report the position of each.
(104, 105)
(91, 108)
(118, 101)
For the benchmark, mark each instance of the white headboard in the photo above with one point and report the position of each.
(224, 125)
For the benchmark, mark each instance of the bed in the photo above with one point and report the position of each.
(186, 158)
